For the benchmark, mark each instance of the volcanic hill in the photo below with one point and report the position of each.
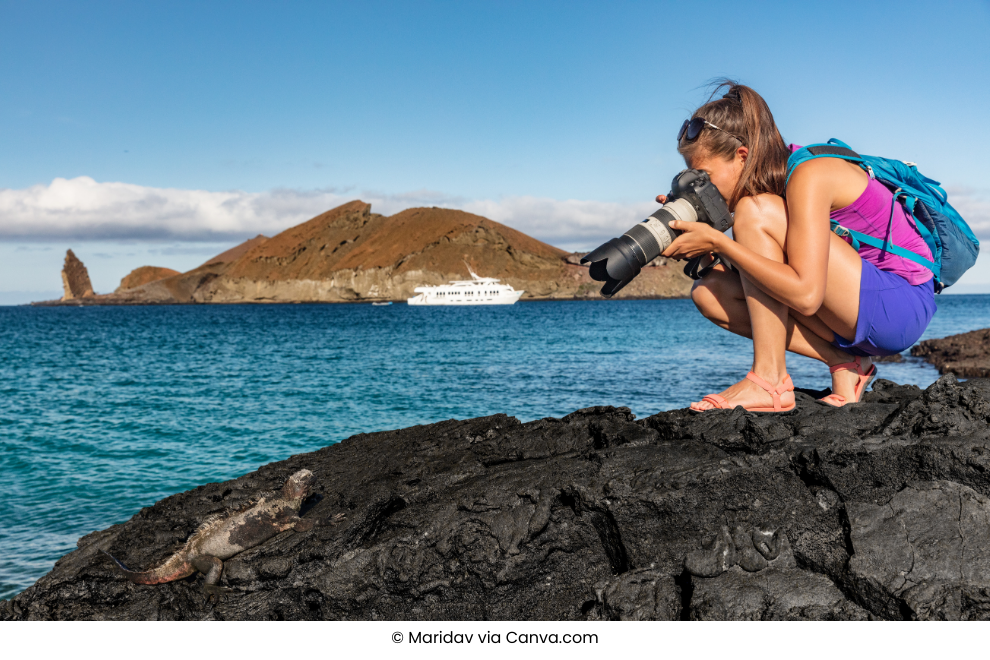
(237, 251)
(350, 254)
(144, 275)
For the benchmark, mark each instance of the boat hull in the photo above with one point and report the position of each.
(506, 298)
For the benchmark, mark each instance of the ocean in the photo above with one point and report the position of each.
(105, 410)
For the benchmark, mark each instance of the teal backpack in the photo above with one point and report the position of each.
(947, 235)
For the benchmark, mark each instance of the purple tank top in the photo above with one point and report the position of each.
(870, 214)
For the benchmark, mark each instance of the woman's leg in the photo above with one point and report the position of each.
(720, 298)
(765, 234)
(735, 303)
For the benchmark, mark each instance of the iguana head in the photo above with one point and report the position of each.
(297, 487)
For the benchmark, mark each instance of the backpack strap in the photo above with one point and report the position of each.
(831, 149)
(859, 237)
(838, 149)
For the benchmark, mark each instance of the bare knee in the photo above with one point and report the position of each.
(720, 298)
(705, 295)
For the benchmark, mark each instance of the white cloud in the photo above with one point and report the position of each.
(570, 224)
(84, 209)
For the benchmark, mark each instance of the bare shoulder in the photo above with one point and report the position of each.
(767, 206)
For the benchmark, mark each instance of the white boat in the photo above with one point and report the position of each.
(476, 291)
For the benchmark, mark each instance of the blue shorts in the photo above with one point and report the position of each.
(892, 313)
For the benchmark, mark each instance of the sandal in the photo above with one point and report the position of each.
(786, 385)
(837, 400)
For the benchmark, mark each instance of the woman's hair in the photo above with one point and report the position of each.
(742, 113)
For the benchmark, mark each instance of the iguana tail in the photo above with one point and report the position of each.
(174, 568)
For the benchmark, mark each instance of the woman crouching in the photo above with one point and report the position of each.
(794, 285)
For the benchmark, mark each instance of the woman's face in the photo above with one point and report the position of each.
(723, 173)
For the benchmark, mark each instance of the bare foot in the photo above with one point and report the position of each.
(844, 382)
(748, 394)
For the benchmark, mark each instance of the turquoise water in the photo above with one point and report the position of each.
(104, 410)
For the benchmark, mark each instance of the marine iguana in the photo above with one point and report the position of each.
(223, 535)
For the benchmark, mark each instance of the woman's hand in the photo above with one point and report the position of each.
(698, 238)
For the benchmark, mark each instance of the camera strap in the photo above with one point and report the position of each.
(700, 266)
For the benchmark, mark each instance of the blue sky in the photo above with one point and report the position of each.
(160, 133)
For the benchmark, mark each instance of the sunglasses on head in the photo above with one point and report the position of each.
(691, 129)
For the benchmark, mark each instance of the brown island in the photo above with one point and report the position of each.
(350, 254)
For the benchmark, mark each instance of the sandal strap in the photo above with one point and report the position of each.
(856, 365)
(717, 400)
(864, 378)
(786, 385)
(838, 400)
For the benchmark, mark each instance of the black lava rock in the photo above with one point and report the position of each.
(966, 355)
(879, 510)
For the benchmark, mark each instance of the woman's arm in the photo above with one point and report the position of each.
(799, 283)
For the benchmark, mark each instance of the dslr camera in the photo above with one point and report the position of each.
(692, 198)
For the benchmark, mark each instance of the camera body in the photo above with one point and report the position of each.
(693, 198)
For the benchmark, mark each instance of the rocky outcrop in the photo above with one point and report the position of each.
(878, 510)
(350, 254)
(75, 279)
(144, 275)
(966, 355)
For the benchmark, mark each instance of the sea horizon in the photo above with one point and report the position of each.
(34, 303)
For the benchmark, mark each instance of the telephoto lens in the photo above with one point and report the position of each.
(621, 259)
(692, 198)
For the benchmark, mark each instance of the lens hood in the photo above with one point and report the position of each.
(615, 263)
